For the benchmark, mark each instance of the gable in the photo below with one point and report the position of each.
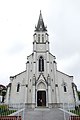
(41, 78)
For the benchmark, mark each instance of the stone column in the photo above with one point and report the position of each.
(26, 83)
(34, 58)
(7, 101)
(26, 94)
(33, 92)
(27, 68)
(36, 96)
(47, 46)
(34, 46)
(49, 91)
(56, 82)
(34, 63)
(47, 97)
(47, 63)
(33, 96)
(57, 93)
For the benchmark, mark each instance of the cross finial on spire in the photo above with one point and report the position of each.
(40, 11)
(40, 16)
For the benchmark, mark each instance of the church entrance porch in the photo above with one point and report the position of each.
(41, 98)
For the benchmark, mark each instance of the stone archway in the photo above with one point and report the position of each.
(41, 98)
(41, 94)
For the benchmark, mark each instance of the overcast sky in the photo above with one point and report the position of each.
(17, 23)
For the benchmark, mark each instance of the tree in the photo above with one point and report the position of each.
(79, 94)
(3, 92)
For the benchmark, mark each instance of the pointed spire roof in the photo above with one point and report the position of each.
(40, 25)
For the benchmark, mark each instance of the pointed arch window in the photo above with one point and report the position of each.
(41, 64)
(65, 90)
(18, 87)
(64, 84)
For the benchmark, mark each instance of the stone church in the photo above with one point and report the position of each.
(41, 84)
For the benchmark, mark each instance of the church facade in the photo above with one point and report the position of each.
(41, 84)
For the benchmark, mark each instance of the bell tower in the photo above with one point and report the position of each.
(40, 37)
(41, 65)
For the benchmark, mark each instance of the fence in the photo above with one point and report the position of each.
(74, 118)
(10, 118)
(20, 109)
(12, 110)
(71, 112)
(4, 110)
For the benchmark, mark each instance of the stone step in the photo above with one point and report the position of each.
(42, 108)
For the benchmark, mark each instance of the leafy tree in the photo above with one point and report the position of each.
(79, 94)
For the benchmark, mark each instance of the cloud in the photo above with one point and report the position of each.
(15, 48)
(70, 63)
(17, 23)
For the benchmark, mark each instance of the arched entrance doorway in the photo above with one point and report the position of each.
(41, 98)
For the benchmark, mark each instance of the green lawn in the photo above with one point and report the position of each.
(4, 110)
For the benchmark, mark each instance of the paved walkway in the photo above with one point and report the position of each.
(44, 114)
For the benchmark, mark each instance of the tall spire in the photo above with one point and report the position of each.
(40, 25)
